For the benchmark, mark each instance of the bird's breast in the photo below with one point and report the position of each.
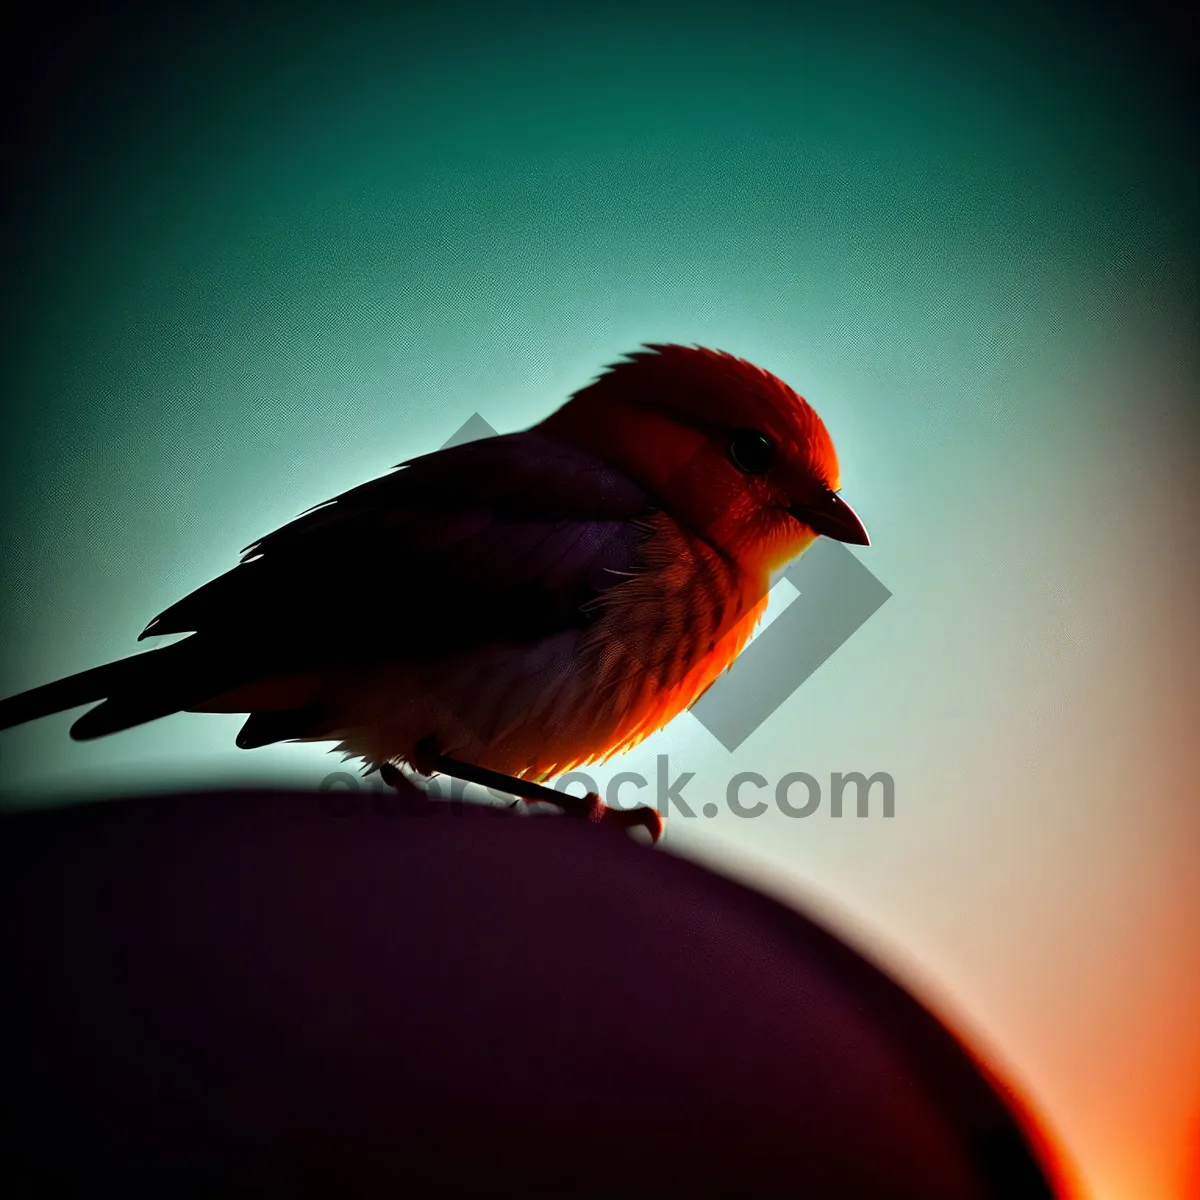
(654, 642)
(666, 634)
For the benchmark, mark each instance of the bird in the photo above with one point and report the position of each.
(538, 600)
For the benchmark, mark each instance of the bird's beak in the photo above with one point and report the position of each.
(832, 516)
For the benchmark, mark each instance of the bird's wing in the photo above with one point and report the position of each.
(508, 537)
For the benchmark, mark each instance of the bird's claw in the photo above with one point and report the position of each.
(642, 816)
(592, 808)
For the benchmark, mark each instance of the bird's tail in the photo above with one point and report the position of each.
(132, 690)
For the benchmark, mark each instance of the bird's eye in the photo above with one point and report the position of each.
(750, 451)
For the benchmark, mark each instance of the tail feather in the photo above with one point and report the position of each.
(122, 712)
(134, 690)
(71, 692)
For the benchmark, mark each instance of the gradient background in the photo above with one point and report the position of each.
(253, 260)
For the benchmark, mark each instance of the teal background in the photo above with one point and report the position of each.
(256, 258)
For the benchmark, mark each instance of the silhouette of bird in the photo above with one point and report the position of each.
(540, 601)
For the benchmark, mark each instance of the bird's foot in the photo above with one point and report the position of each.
(592, 808)
(595, 810)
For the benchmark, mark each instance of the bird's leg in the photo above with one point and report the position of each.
(394, 778)
(428, 759)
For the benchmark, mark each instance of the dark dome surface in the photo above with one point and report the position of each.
(264, 991)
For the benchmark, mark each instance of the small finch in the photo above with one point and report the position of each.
(540, 600)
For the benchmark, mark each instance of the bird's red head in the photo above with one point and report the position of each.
(729, 450)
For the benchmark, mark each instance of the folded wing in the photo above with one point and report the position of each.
(514, 537)
(507, 537)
